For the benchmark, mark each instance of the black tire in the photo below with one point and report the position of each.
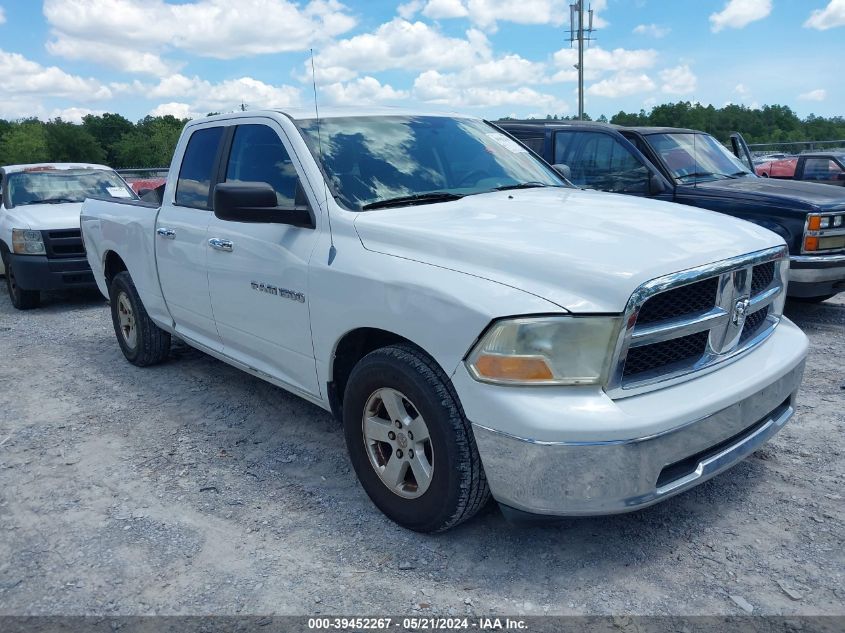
(458, 487)
(813, 299)
(150, 344)
(21, 299)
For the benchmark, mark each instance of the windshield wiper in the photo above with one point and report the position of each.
(522, 185)
(738, 174)
(55, 201)
(700, 174)
(417, 198)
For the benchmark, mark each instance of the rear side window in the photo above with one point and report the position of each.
(534, 142)
(258, 156)
(192, 189)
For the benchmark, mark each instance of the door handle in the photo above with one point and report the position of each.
(221, 245)
(166, 233)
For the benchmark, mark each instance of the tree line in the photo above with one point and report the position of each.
(109, 139)
(114, 140)
(768, 124)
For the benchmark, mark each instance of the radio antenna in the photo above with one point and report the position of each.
(322, 163)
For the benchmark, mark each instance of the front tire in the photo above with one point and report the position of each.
(142, 342)
(409, 441)
(21, 299)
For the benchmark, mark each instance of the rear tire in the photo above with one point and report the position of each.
(427, 483)
(21, 299)
(142, 342)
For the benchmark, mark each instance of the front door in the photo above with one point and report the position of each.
(258, 273)
(180, 240)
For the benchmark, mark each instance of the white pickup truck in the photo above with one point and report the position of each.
(40, 242)
(479, 325)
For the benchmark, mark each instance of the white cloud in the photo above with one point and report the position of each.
(73, 114)
(652, 30)
(742, 90)
(679, 80)
(410, 9)
(831, 16)
(444, 9)
(136, 35)
(175, 109)
(399, 44)
(598, 61)
(19, 76)
(362, 91)
(440, 89)
(819, 94)
(738, 14)
(2, 16)
(622, 85)
(201, 96)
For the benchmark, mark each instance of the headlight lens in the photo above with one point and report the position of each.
(26, 242)
(564, 350)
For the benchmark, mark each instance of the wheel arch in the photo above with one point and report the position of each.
(112, 265)
(351, 348)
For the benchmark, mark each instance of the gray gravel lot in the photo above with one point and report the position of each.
(192, 488)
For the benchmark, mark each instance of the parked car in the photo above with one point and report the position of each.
(822, 167)
(694, 169)
(40, 241)
(478, 325)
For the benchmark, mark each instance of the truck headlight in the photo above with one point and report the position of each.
(26, 242)
(565, 350)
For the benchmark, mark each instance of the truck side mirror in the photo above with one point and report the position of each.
(255, 202)
(563, 170)
(656, 186)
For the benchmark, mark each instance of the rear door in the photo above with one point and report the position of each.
(181, 247)
(258, 273)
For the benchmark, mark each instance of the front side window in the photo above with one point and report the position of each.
(48, 185)
(696, 157)
(599, 161)
(258, 156)
(193, 186)
(378, 159)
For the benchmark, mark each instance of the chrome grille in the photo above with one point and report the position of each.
(695, 297)
(688, 322)
(761, 277)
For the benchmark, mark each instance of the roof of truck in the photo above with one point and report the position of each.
(299, 114)
(562, 124)
(35, 167)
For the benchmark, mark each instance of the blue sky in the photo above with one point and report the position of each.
(491, 57)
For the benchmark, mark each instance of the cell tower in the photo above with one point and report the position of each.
(580, 32)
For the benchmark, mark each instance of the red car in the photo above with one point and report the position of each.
(822, 167)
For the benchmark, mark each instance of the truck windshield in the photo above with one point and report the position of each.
(56, 186)
(693, 157)
(380, 161)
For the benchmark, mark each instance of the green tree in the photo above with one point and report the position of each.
(24, 142)
(107, 129)
(70, 143)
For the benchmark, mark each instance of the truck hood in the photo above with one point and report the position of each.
(784, 192)
(45, 217)
(585, 251)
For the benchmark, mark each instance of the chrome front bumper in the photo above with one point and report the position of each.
(594, 478)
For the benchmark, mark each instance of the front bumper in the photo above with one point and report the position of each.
(37, 272)
(816, 275)
(693, 441)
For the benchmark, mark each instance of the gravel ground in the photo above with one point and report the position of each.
(192, 488)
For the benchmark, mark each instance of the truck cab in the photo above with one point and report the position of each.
(692, 168)
(40, 239)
